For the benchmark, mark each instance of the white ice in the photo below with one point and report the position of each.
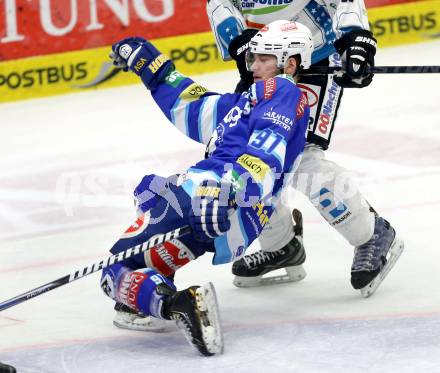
(67, 168)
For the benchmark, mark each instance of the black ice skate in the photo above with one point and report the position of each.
(249, 270)
(126, 318)
(195, 311)
(4, 368)
(374, 259)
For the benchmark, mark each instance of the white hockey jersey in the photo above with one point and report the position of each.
(327, 20)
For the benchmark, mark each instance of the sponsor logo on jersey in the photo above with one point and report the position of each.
(174, 79)
(234, 178)
(330, 206)
(245, 4)
(130, 287)
(255, 166)
(193, 92)
(341, 219)
(138, 226)
(311, 93)
(325, 120)
(167, 258)
(278, 119)
(270, 86)
(262, 213)
(302, 104)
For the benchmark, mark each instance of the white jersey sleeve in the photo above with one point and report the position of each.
(348, 15)
(326, 19)
(226, 23)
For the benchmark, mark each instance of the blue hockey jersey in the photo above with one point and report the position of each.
(256, 140)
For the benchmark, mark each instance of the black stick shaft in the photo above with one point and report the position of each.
(76, 275)
(316, 70)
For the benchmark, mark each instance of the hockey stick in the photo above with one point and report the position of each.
(316, 70)
(116, 258)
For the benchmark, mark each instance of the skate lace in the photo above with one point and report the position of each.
(260, 257)
(366, 256)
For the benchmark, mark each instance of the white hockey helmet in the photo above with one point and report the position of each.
(283, 39)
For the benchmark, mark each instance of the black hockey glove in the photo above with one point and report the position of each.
(237, 49)
(357, 49)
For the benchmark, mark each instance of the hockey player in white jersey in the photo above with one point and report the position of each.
(341, 36)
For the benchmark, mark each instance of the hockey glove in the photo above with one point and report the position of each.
(357, 49)
(142, 57)
(237, 49)
(210, 206)
(151, 188)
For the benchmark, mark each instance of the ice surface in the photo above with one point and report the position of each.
(67, 168)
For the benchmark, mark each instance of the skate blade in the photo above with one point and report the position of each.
(207, 304)
(394, 253)
(293, 274)
(144, 324)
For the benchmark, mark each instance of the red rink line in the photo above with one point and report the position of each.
(48, 263)
(10, 321)
(229, 327)
(96, 258)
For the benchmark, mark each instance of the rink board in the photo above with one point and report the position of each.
(193, 54)
(92, 69)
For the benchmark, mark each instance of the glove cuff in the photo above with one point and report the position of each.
(238, 45)
(155, 72)
(360, 37)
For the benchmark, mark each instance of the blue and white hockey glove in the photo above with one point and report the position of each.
(357, 49)
(210, 206)
(142, 57)
(151, 188)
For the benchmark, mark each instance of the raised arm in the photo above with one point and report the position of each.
(193, 109)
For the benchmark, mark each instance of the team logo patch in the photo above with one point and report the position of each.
(138, 226)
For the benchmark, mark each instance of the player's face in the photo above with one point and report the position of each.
(264, 66)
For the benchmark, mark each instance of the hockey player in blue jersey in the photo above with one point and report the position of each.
(227, 198)
(341, 36)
